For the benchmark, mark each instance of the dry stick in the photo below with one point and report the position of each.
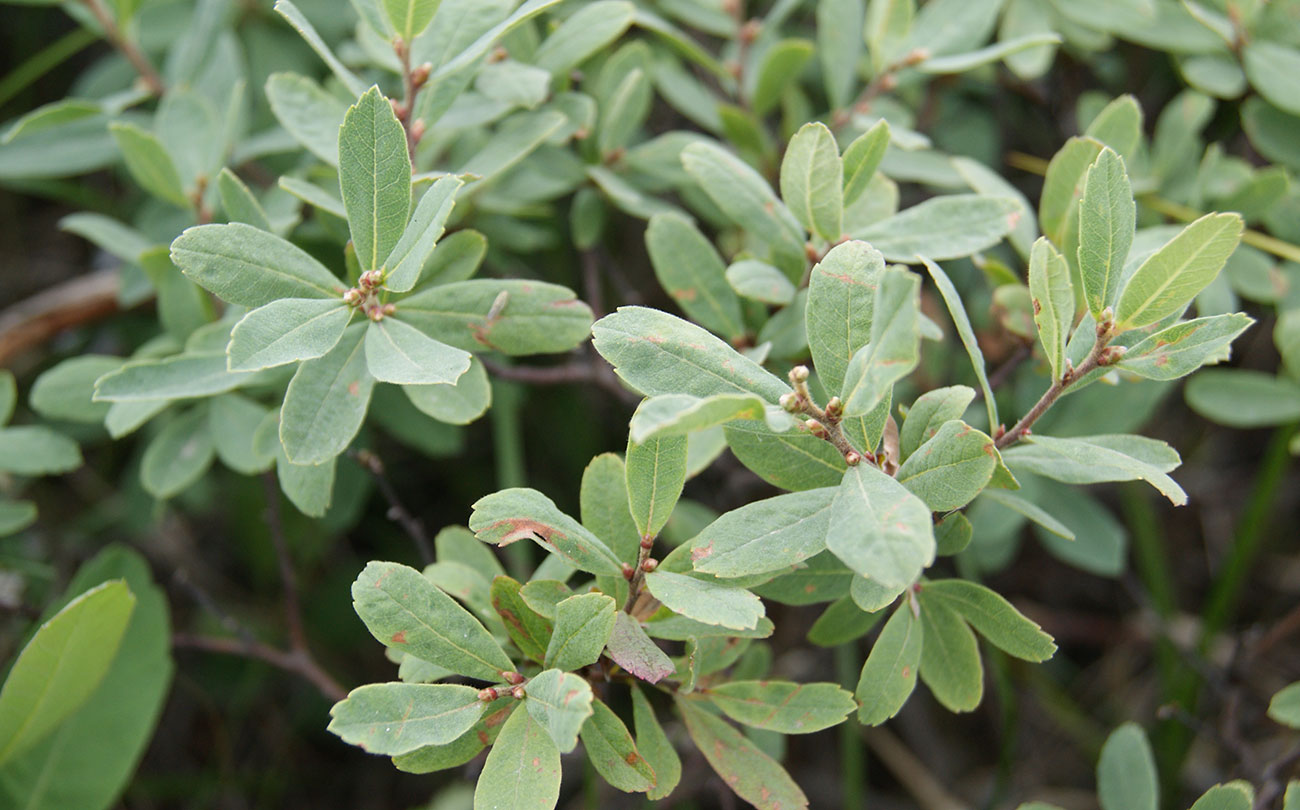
(132, 53)
(33, 321)
(397, 511)
(915, 777)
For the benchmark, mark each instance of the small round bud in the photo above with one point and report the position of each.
(488, 695)
(375, 313)
(418, 129)
(421, 74)
(649, 565)
(789, 402)
(399, 109)
(513, 678)
(799, 374)
(352, 297)
(517, 693)
(835, 407)
(647, 543)
(852, 458)
(389, 309)
(628, 571)
(816, 428)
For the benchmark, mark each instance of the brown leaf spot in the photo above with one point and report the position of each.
(484, 738)
(399, 637)
(632, 758)
(1013, 219)
(537, 763)
(520, 529)
(907, 672)
(1162, 360)
(685, 294)
(354, 388)
(700, 552)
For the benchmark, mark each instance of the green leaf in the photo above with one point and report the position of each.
(522, 771)
(62, 665)
(692, 272)
(624, 112)
(1063, 185)
(517, 514)
(765, 535)
(782, 706)
(529, 630)
(399, 353)
(416, 245)
(950, 657)
(584, 33)
(994, 617)
(632, 649)
(870, 596)
(839, 45)
(1093, 459)
(1119, 126)
(239, 203)
(613, 753)
(760, 281)
(1030, 510)
(95, 750)
(657, 353)
(1233, 796)
(889, 674)
(861, 159)
(947, 227)
(842, 622)
(1285, 706)
(583, 625)
(405, 611)
(656, 472)
(512, 316)
(1292, 799)
(752, 774)
(951, 468)
(889, 22)
(326, 401)
(324, 201)
(37, 450)
(1243, 399)
(744, 196)
(148, 162)
(560, 702)
(655, 746)
(311, 115)
(1053, 297)
(465, 747)
(1107, 216)
(410, 17)
(108, 234)
(1170, 278)
(963, 62)
(670, 415)
(812, 181)
(178, 377)
(286, 330)
(707, 602)
(457, 404)
(514, 140)
(1183, 347)
(895, 345)
(190, 130)
(235, 420)
(1272, 68)
(779, 67)
(397, 718)
(295, 18)
(793, 461)
(604, 503)
(248, 267)
(375, 177)
(930, 412)
(841, 300)
(957, 311)
(1126, 772)
(879, 529)
(455, 258)
(178, 455)
(16, 516)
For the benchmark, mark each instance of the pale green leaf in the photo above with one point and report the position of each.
(655, 746)
(37, 450)
(778, 68)
(286, 330)
(707, 602)
(957, 311)
(583, 625)
(455, 404)
(410, 17)
(295, 18)
(795, 460)
(526, 514)
(930, 412)
(560, 702)
(1063, 185)
(1181, 348)
(1126, 771)
(375, 177)
(752, 774)
(238, 202)
(1093, 459)
(951, 468)
(1119, 126)
(1170, 278)
(421, 236)
(765, 535)
(62, 665)
(529, 630)
(760, 281)
(994, 617)
(632, 649)
(889, 674)
(584, 33)
(894, 347)
(233, 422)
(812, 181)
(149, 163)
(248, 267)
(1272, 69)
(513, 141)
(178, 455)
(782, 706)
(839, 46)
(1284, 707)
(326, 401)
(178, 377)
(889, 22)
(692, 272)
(656, 472)
(950, 657)
(311, 115)
(1029, 510)
(399, 353)
(861, 159)
(522, 771)
(397, 718)
(879, 529)
(842, 293)
(512, 316)
(613, 753)
(1053, 298)
(1242, 398)
(604, 503)
(963, 62)
(947, 227)
(1107, 216)
(1232, 796)
(404, 610)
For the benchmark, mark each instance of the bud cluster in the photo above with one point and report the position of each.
(365, 296)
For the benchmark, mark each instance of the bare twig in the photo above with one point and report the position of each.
(911, 772)
(1003, 372)
(128, 48)
(293, 661)
(35, 320)
(397, 511)
(592, 370)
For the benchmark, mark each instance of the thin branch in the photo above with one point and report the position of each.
(592, 370)
(292, 607)
(824, 423)
(397, 511)
(33, 321)
(1003, 372)
(289, 661)
(926, 788)
(128, 48)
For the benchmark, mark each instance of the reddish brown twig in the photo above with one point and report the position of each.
(33, 321)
